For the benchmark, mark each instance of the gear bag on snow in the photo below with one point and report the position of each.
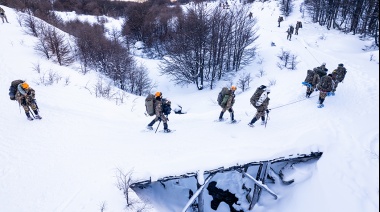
(13, 89)
(150, 101)
(223, 97)
(166, 106)
(257, 95)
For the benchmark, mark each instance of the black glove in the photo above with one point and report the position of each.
(267, 110)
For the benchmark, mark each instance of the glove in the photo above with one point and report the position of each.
(316, 89)
(267, 110)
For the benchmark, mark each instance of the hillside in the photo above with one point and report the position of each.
(68, 160)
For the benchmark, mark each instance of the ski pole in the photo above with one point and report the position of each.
(158, 126)
(266, 120)
(19, 106)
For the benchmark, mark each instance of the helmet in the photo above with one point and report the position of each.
(25, 85)
(233, 88)
(340, 64)
(158, 94)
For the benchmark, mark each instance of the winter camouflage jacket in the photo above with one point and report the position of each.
(326, 84)
(339, 74)
(158, 110)
(312, 78)
(25, 96)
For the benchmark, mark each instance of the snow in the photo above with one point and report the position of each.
(68, 160)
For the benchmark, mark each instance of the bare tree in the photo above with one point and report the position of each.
(124, 181)
(30, 23)
(243, 81)
(284, 56)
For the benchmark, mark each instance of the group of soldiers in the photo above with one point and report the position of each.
(318, 80)
(290, 30)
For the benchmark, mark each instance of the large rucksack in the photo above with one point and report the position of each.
(13, 89)
(223, 97)
(291, 29)
(150, 102)
(299, 24)
(309, 76)
(320, 71)
(341, 73)
(256, 96)
(326, 84)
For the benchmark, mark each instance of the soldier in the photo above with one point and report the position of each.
(2, 15)
(325, 86)
(227, 103)
(338, 75)
(263, 103)
(279, 20)
(311, 81)
(290, 32)
(298, 25)
(160, 116)
(26, 97)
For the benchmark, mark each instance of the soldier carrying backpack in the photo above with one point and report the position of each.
(25, 95)
(260, 101)
(279, 20)
(338, 76)
(325, 85)
(161, 110)
(311, 81)
(290, 32)
(226, 100)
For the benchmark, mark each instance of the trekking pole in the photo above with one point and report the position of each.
(266, 120)
(19, 106)
(158, 126)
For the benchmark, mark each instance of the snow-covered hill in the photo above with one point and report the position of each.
(68, 160)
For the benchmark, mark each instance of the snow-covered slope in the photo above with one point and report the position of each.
(68, 160)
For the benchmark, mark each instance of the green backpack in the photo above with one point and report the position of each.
(223, 97)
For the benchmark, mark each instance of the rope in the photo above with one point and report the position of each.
(308, 51)
(293, 102)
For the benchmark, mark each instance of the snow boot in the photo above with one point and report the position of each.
(150, 125)
(166, 129)
(28, 116)
(221, 116)
(232, 118)
(36, 115)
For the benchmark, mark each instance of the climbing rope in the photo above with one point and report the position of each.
(293, 102)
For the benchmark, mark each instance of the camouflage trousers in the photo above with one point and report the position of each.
(310, 90)
(336, 85)
(28, 104)
(322, 94)
(260, 114)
